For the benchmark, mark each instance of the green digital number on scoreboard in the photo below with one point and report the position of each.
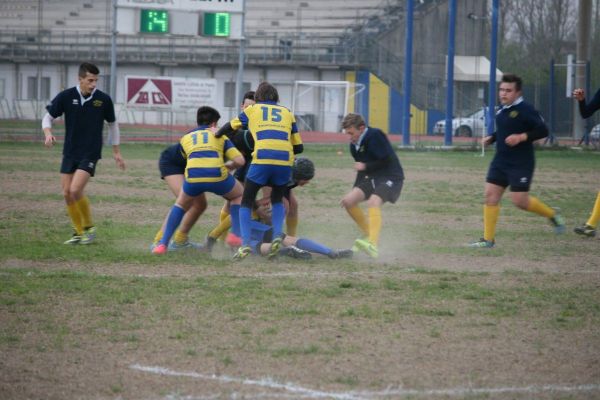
(154, 21)
(216, 24)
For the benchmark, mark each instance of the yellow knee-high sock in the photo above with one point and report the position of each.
(593, 221)
(536, 206)
(180, 237)
(291, 225)
(359, 217)
(224, 213)
(158, 236)
(490, 218)
(222, 228)
(84, 209)
(374, 224)
(222, 217)
(75, 216)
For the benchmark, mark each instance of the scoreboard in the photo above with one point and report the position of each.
(212, 18)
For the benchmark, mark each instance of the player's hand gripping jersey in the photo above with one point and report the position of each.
(206, 156)
(274, 130)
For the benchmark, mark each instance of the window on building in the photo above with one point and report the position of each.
(2, 88)
(32, 88)
(45, 93)
(230, 93)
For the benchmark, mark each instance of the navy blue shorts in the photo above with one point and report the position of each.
(517, 177)
(220, 188)
(388, 189)
(167, 166)
(269, 175)
(69, 165)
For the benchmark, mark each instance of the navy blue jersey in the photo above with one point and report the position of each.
(520, 117)
(83, 122)
(377, 153)
(586, 110)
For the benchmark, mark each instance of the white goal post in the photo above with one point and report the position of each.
(321, 105)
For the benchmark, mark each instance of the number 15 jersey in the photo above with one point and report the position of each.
(274, 130)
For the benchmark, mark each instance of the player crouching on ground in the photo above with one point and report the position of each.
(379, 179)
(261, 236)
(303, 171)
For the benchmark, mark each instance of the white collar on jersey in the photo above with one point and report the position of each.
(83, 100)
(360, 138)
(517, 101)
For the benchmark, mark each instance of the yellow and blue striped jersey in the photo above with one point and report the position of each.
(206, 155)
(274, 130)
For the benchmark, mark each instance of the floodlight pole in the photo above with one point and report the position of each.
(450, 73)
(407, 73)
(492, 85)
(239, 84)
(113, 54)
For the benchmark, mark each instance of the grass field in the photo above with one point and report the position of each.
(429, 319)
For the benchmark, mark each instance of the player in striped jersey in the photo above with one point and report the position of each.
(276, 140)
(205, 171)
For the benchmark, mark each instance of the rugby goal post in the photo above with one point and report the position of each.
(321, 105)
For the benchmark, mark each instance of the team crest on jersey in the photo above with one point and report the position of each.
(97, 103)
(513, 114)
(389, 183)
(75, 101)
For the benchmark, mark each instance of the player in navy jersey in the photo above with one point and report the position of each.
(518, 125)
(85, 109)
(586, 111)
(379, 179)
(276, 140)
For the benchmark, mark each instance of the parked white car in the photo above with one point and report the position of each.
(472, 125)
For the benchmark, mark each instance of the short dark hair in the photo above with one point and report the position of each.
(207, 115)
(266, 92)
(353, 120)
(512, 78)
(86, 67)
(249, 95)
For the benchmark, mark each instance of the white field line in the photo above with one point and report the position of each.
(310, 393)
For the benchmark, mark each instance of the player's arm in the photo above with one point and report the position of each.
(586, 110)
(54, 110)
(49, 138)
(235, 159)
(489, 139)
(114, 133)
(295, 137)
(538, 130)
(379, 153)
(114, 139)
(240, 122)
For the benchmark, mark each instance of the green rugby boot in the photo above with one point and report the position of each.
(367, 247)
